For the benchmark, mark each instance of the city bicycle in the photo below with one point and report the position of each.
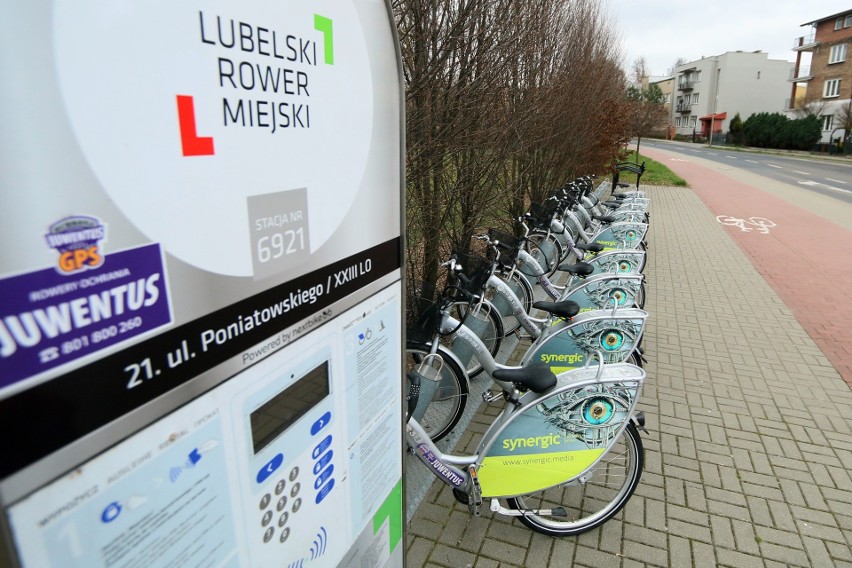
(563, 456)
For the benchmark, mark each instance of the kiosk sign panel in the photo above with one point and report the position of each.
(200, 324)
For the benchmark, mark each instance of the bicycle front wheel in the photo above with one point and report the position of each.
(524, 294)
(447, 405)
(640, 297)
(546, 249)
(485, 321)
(608, 487)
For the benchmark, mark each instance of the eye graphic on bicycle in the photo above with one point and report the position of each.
(598, 410)
(631, 235)
(620, 296)
(624, 266)
(612, 340)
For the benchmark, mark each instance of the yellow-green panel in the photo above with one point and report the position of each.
(516, 475)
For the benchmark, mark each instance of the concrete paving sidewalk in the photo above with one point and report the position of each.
(749, 451)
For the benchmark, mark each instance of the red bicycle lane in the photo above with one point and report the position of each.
(805, 258)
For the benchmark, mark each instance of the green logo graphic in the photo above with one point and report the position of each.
(324, 25)
(391, 510)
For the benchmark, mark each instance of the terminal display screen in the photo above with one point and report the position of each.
(281, 411)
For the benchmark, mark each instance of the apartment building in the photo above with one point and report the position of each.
(712, 90)
(822, 77)
(667, 87)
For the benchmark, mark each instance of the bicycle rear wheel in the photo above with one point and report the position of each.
(608, 487)
(450, 397)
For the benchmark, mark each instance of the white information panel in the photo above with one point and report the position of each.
(293, 462)
(200, 322)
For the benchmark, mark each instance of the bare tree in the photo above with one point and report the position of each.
(815, 107)
(646, 110)
(639, 71)
(505, 101)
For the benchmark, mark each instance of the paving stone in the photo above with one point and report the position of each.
(592, 557)
(452, 557)
(539, 553)
(703, 555)
(745, 538)
(648, 555)
(680, 551)
(736, 559)
(790, 556)
(503, 551)
(418, 552)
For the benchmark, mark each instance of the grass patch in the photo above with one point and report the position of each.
(655, 173)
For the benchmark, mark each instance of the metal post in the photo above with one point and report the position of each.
(715, 104)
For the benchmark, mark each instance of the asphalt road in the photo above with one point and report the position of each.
(829, 178)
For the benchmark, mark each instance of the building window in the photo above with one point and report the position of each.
(832, 88)
(686, 99)
(838, 23)
(838, 53)
(848, 21)
(827, 119)
(692, 122)
(695, 98)
(677, 121)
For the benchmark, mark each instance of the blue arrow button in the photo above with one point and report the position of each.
(270, 468)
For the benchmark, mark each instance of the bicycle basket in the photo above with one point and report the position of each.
(543, 214)
(476, 271)
(509, 246)
(422, 311)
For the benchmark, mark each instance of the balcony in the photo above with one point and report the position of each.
(683, 107)
(686, 85)
(800, 75)
(805, 43)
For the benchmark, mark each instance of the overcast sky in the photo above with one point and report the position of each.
(663, 30)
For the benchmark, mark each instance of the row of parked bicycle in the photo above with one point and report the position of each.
(564, 455)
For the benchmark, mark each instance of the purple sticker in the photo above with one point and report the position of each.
(48, 318)
(448, 472)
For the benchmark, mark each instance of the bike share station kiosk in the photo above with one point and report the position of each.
(200, 284)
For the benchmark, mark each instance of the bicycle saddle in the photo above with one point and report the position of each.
(590, 247)
(537, 378)
(565, 309)
(578, 268)
(604, 218)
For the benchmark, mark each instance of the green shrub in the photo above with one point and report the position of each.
(776, 130)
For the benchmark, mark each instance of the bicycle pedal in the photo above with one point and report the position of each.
(474, 503)
(490, 397)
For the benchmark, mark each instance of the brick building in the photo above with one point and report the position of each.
(824, 74)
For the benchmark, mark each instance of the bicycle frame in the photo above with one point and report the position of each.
(594, 292)
(566, 345)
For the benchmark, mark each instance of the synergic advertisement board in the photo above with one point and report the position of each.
(200, 297)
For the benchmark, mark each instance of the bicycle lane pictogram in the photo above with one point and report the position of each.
(805, 258)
